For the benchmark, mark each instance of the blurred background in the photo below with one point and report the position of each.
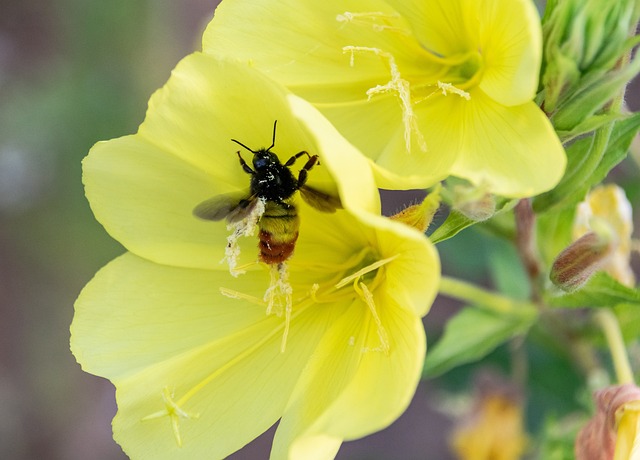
(73, 72)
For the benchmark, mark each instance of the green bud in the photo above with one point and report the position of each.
(586, 65)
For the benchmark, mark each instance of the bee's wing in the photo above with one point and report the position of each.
(233, 206)
(320, 200)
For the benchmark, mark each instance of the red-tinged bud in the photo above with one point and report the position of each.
(580, 260)
(612, 432)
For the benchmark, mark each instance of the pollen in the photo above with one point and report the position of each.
(244, 227)
(279, 298)
(447, 88)
(398, 86)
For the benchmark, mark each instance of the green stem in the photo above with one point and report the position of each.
(611, 328)
(475, 295)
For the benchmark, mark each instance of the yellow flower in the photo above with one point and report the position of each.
(608, 206)
(494, 430)
(425, 88)
(202, 364)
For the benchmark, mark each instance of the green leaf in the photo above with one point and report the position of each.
(589, 125)
(600, 291)
(455, 222)
(628, 315)
(556, 230)
(507, 271)
(558, 437)
(472, 334)
(623, 134)
(581, 175)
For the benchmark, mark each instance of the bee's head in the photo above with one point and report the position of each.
(263, 159)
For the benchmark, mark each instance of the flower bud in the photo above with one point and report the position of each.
(580, 260)
(475, 203)
(612, 433)
(419, 216)
(585, 43)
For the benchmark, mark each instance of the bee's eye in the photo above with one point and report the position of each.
(260, 162)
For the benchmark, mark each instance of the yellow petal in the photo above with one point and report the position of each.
(510, 38)
(439, 25)
(198, 375)
(149, 313)
(628, 435)
(411, 275)
(412, 278)
(300, 43)
(514, 151)
(350, 389)
(375, 128)
(145, 197)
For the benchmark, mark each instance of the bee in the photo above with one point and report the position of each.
(275, 184)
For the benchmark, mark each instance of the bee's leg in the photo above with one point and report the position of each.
(293, 159)
(302, 175)
(244, 165)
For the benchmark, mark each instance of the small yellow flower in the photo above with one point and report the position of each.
(494, 430)
(425, 88)
(608, 206)
(201, 363)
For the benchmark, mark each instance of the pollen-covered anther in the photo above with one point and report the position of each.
(172, 410)
(244, 227)
(448, 88)
(398, 86)
(279, 297)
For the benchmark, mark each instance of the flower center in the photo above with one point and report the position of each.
(439, 75)
(466, 74)
(356, 278)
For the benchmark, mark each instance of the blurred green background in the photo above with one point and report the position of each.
(73, 72)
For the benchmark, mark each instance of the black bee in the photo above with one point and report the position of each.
(275, 184)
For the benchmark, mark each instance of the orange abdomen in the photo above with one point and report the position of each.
(275, 252)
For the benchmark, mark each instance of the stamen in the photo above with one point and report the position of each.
(244, 227)
(449, 88)
(398, 86)
(174, 412)
(232, 294)
(367, 297)
(279, 294)
(364, 271)
(313, 292)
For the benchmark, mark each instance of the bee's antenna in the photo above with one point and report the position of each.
(241, 144)
(273, 141)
